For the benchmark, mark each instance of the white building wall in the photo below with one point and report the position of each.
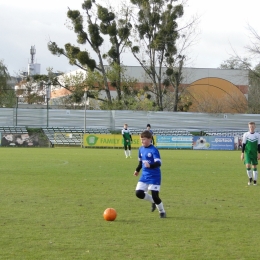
(235, 76)
(34, 69)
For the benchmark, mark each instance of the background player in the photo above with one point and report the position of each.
(251, 149)
(150, 180)
(148, 127)
(127, 138)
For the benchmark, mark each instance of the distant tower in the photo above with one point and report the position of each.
(33, 68)
(32, 51)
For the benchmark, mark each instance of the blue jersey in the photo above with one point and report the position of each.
(151, 155)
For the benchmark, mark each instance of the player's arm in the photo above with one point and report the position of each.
(138, 168)
(243, 150)
(258, 157)
(156, 164)
(243, 147)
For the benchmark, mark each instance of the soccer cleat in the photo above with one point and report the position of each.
(130, 157)
(255, 183)
(153, 207)
(163, 215)
(249, 183)
(126, 157)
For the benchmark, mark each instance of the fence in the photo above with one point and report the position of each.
(115, 119)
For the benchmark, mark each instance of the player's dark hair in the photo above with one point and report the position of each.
(251, 123)
(146, 134)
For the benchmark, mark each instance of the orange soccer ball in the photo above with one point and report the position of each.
(110, 214)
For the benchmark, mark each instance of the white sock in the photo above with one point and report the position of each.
(255, 175)
(148, 197)
(249, 173)
(129, 152)
(126, 153)
(160, 207)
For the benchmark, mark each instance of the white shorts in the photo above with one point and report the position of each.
(146, 187)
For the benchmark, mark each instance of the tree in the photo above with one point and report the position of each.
(101, 22)
(254, 72)
(92, 82)
(254, 82)
(133, 97)
(7, 94)
(36, 89)
(158, 34)
(184, 102)
(254, 47)
(254, 91)
(235, 63)
(175, 59)
(31, 91)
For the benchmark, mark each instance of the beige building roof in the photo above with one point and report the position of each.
(60, 93)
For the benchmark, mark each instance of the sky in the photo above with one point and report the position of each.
(223, 31)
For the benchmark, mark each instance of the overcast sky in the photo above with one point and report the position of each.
(25, 23)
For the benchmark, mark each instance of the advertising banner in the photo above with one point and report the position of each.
(107, 140)
(22, 140)
(213, 143)
(174, 142)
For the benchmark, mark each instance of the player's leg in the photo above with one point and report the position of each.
(158, 202)
(129, 151)
(249, 174)
(126, 152)
(255, 172)
(248, 168)
(141, 192)
(254, 163)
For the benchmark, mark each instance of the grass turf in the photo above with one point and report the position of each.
(52, 204)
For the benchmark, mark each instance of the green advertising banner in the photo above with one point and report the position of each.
(107, 140)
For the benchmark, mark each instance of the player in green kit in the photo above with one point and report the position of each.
(251, 152)
(127, 138)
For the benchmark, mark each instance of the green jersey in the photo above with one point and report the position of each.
(251, 142)
(127, 136)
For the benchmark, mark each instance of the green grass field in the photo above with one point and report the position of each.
(52, 204)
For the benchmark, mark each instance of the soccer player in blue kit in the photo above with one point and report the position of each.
(150, 180)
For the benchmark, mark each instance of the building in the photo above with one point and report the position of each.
(210, 90)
